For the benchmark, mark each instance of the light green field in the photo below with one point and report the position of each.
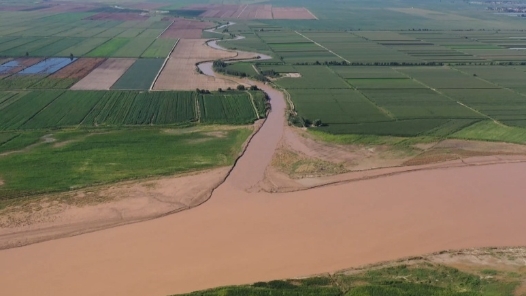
(90, 158)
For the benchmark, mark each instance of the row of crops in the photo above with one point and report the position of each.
(373, 47)
(54, 109)
(62, 73)
(61, 35)
(404, 101)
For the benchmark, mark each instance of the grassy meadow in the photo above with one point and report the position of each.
(42, 162)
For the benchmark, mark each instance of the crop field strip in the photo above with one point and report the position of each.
(57, 108)
(140, 75)
(403, 103)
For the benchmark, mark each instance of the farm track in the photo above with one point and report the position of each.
(322, 46)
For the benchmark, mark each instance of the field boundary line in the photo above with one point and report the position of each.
(315, 17)
(490, 82)
(163, 65)
(452, 99)
(45, 107)
(253, 104)
(322, 46)
(246, 5)
(164, 30)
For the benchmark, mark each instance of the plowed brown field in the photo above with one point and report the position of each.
(79, 68)
(180, 71)
(105, 75)
(186, 29)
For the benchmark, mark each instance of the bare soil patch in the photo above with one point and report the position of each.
(186, 29)
(180, 72)
(102, 207)
(301, 162)
(292, 75)
(118, 17)
(79, 69)
(105, 75)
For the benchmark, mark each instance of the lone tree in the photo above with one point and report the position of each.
(241, 87)
(27, 53)
(254, 87)
(71, 56)
(220, 90)
(317, 122)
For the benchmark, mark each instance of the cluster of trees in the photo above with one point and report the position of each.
(239, 87)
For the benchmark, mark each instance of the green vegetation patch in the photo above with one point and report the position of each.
(498, 104)
(313, 77)
(160, 48)
(490, 131)
(400, 128)
(140, 75)
(109, 48)
(91, 158)
(134, 48)
(418, 103)
(389, 83)
(404, 280)
(236, 108)
(445, 78)
(335, 106)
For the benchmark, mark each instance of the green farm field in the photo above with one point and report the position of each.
(140, 75)
(71, 159)
(79, 136)
(59, 108)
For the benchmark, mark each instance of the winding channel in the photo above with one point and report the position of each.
(239, 237)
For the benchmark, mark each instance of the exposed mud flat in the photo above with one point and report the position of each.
(87, 210)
